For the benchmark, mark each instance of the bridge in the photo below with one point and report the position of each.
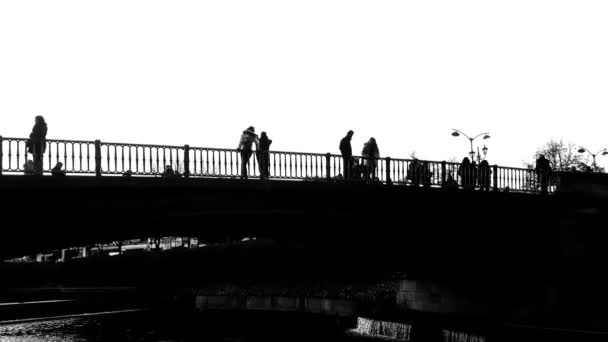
(117, 191)
(111, 159)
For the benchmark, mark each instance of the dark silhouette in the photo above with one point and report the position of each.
(248, 138)
(347, 154)
(357, 171)
(467, 173)
(543, 171)
(56, 170)
(28, 168)
(263, 155)
(168, 173)
(36, 144)
(413, 172)
(450, 183)
(127, 173)
(425, 173)
(484, 176)
(370, 154)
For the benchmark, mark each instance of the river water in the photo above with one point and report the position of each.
(141, 326)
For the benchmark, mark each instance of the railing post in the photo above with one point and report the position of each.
(443, 173)
(495, 177)
(98, 158)
(1, 156)
(388, 171)
(186, 161)
(327, 166)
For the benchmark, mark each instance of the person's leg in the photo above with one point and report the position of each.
(38, 163)
(244, 162)
(260, 158)
(267, 164)
(345, 167)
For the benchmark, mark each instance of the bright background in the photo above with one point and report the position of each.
(404, 72)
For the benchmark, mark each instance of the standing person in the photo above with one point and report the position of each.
(466, 172)
(36, 144)
(347, 154)
(370, 154)
(263, 155)
(543, 169)
(248, 138)
(413, 172)
(484, 176)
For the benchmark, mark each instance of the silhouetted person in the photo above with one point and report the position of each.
(466, 171)
(28, 168)
(36, 144)
(484, 176)
(248, 138)
(543, 170)
(425, 173)
(169, 172)
(263, 155)
(370, 154)
(413, 172)
(56, 170)
(347, 154)
(450, 183)
(357, 170)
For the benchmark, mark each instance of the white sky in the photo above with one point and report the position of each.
(404, 72)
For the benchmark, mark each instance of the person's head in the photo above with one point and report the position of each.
(483, 163)
(541, 156)
(59, 165)
(466, 160)
(350, 134)
(372, 141)
(39, 119)
(263, 134)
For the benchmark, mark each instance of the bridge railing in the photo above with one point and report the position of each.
(108, 158)
(77, 157)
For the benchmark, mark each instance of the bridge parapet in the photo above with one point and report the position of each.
(97, 158)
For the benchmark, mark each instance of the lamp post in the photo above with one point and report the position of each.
(486, 135)
(602, 151)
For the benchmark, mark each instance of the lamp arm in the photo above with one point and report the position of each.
(478, 135)
(461, 132)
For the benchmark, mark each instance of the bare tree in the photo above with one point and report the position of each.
(562, 156)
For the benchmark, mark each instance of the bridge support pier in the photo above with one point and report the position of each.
(437, 309)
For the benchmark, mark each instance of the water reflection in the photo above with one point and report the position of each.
(102, 328)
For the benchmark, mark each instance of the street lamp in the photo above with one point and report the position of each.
(603, 151)
(457, 133)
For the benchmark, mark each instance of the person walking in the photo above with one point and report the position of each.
(36, 144)
(248, 138)
(347, 154)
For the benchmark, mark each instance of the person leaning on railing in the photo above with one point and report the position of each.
(263, 155)
(370, 154)
(36, 144)
(248, 138)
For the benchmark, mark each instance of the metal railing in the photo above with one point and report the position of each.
(108, 158)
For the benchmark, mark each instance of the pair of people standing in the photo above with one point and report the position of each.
(370, 154)
(262, 150)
